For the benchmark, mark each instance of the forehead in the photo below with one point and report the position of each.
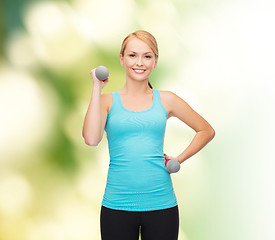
(137, 45)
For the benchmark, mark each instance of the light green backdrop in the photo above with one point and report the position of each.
(216, 55)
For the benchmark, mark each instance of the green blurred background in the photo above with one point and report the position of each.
(216, 55)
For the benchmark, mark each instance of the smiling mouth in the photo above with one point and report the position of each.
(139, 70)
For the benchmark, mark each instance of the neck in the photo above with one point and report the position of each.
(136, 88)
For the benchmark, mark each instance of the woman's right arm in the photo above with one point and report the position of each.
(95, 118)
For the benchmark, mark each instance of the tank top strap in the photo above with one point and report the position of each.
(115, 103)
(157, 96)
(158, 102)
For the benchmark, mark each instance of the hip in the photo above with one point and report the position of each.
(139, 201)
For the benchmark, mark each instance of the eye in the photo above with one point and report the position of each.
(148, 56)
(132, 55)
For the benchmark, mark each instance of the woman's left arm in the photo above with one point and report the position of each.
(204, 131)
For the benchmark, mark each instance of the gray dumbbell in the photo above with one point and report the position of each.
(101, 73)
(172, 165)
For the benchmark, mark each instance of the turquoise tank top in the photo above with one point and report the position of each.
(137, 179)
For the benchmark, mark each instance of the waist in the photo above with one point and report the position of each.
(142, 193)
(142, 181)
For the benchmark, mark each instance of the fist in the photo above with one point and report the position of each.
(166, 159)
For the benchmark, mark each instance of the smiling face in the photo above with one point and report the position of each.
(138, 60)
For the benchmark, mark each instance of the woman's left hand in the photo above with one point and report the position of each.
(167, 158)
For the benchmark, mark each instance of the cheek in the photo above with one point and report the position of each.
(150, 64)
(129, 62)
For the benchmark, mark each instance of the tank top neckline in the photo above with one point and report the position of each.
(146, 110)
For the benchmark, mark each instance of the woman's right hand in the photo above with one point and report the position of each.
(96, 81)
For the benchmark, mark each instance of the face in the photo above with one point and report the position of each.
(139, 60)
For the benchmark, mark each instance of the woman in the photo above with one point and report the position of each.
(139, 190)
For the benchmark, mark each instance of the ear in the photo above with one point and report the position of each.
(121, 60)
(156, 61)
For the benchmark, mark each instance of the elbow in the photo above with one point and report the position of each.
(91, 143)
(211, 133)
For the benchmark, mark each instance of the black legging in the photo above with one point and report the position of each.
(124, 225)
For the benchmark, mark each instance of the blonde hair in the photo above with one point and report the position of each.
(144, 36)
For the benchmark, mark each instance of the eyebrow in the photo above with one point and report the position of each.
(144, 53)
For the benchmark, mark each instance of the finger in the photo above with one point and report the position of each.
(92, 72)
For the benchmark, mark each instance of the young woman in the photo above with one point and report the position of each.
(139, 191)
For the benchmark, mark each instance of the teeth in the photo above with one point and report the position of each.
(139, 71)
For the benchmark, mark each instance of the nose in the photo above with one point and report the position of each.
(139, 62)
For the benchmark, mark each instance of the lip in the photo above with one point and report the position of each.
(143, 70)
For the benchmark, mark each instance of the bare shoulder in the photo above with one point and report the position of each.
(107, 99)
(172, 102)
